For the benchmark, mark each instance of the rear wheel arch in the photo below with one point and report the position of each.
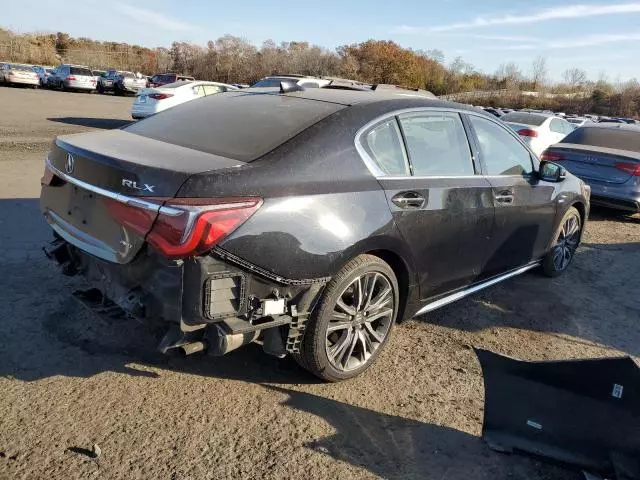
(403, 275)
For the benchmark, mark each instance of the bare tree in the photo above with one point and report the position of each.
(509, 73)
(539, 72)
(575, 78)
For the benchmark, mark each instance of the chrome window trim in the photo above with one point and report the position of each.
(119, 197)
(372, 166)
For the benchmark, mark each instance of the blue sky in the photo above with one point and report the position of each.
(597, 36)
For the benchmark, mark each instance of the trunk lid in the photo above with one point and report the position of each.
(102, 191)
(595, 163)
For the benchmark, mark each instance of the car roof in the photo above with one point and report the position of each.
(614, 126)
(354, 97)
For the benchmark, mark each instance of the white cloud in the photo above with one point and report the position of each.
(153, 18)
(554, 13)
(578, 42)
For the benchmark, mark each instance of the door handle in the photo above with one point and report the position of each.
(408, 200)
(505, 196)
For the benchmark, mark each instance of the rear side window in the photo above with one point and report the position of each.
(81, 71)
(502, 153)
(437, 144)
(239, 125)
(557, 126)
(383, 143)
(606, 138)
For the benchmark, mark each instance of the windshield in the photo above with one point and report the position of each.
(241, 125)
(176, 84)
(525, 118)
(575, 120)
(606, 137)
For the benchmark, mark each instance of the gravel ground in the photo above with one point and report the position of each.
(70, 380)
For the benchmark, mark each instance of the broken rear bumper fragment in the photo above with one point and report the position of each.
(581, 412)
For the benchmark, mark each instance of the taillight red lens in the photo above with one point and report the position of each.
(552, 156)
(71, 77)
(160, 96)
(137, 219)
(187, 227)
(631, 168)
(527, 132)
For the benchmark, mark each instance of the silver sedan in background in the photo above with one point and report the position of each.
(607, 157)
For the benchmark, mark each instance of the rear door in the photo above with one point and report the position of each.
(440, 203)
(524, 205)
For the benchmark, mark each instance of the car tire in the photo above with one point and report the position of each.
(565, 243)
(340, 340)
(100, 89)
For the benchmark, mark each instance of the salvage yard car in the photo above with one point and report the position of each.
(16, 74)
(538, 130)
(310, 219)
(153, 100)
(72, 77)
(120, 82)
(607, 157)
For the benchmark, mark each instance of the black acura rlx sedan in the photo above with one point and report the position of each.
(307, 220)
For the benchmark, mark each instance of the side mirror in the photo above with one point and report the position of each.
(551, 172)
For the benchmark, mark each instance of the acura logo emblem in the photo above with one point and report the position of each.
(70, 163)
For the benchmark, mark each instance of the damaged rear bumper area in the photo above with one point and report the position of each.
(214, 303)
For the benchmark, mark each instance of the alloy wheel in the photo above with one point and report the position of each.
(567, 243)
(360, 321)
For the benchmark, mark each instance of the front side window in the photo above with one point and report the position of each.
(502, 153)
(437, 144)
(383, 143)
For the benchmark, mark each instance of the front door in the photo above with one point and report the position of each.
(524, 205)
(441, 205)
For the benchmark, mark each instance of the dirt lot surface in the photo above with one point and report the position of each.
(69, 380)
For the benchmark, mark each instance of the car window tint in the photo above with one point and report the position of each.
(81, 71)
(236, 125)
(556, 126)
(437, 144)
(383, 143)
(502, 153)
(606, 137)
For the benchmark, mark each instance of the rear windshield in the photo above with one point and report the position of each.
(525, 118)
(575, 120)
(272, 82)
(127, 75)
(81, 71)
(21, 68)
(241, 125)
(605, 137)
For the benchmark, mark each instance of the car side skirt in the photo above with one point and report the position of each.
(475, 288)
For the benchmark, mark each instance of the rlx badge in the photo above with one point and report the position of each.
(135, 186)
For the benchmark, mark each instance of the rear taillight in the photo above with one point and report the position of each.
(527, 132)
(191, 226)
(630, 168)
(71, 77)
(160, 96)
(552, 156)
